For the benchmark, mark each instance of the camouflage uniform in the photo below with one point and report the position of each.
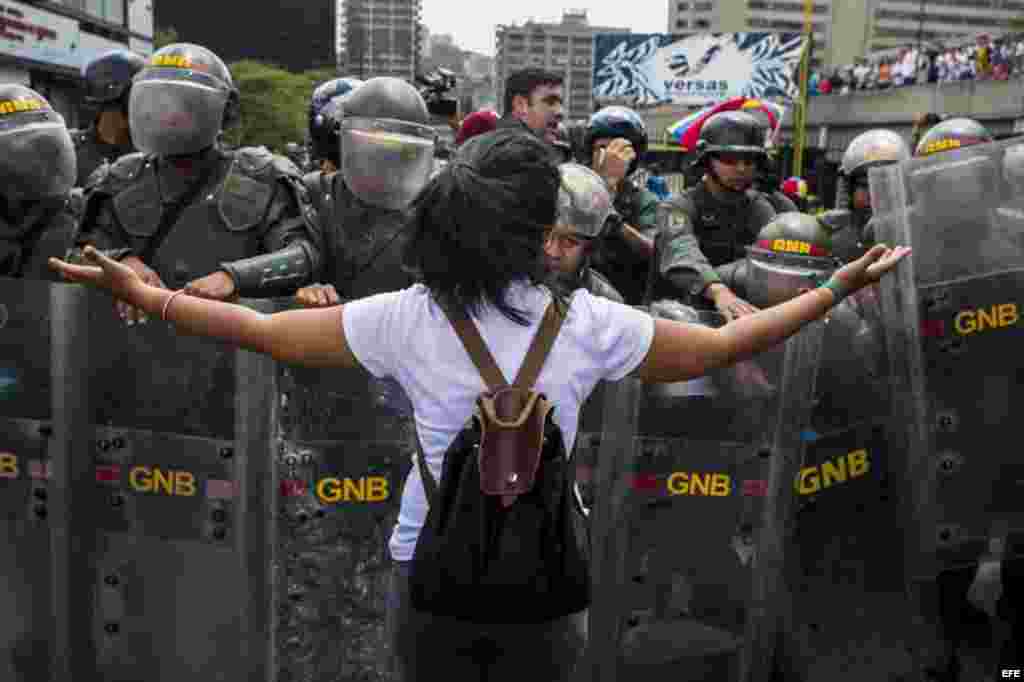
(698, 233)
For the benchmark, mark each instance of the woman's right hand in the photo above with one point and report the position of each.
(119, 280)
(870, 267)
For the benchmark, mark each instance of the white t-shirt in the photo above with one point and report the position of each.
(405, 336)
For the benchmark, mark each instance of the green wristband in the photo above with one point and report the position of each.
(838, 289)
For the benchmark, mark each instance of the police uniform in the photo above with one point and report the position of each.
(252, 202)
(363, 244)
(364, 234)
(626, 270)
(698, 233)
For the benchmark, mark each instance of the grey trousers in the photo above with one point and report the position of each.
(429, 647)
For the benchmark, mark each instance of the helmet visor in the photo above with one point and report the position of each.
(386, 162)
(175, 117)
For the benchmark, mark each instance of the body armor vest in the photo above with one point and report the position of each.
(218, 225)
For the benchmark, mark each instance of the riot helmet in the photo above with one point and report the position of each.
(730, 132)
(615, 122)
(792, 253)
(955, 133)
(873, 148)
(387, 150)
(584, 202)
(955, 189)
(37, 157)
(181, 101)
(325, 114)
(878, 147)
(108, 78)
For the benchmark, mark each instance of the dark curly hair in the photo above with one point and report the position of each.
(479, 225)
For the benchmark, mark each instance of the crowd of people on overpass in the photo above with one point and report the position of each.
(986, 58)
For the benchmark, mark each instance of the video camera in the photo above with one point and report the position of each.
(434, 88)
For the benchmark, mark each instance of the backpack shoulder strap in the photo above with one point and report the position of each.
(537, 355)
(477, 349)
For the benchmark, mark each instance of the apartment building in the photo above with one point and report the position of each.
(380, 38)
(566, 47)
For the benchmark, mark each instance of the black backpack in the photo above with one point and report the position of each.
(504, 538)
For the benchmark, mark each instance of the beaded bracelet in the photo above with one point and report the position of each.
(167, 304)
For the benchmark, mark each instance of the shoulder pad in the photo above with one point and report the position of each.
(128, 166)
(112, 177)
(260, 162)
(312, 181)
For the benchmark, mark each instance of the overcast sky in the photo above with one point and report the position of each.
(472, 23)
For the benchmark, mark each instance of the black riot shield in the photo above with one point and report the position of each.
(346, 450)
(26, 430)
(954, 336)
(693, 497)
(851, 617)
(140, 544)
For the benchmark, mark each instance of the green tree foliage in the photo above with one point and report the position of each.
(275, 104)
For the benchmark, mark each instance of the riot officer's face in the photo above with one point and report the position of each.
(542, 111)
(563, 250)
(735, 171)
(861, 193)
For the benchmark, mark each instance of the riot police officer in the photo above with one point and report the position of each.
(324, 118)
(712, 223)
(386, 156)
(791, 253)
(616, 139)
(108, 83)
(184, 211)
(37, 171)
(583, 207)
(849, 222)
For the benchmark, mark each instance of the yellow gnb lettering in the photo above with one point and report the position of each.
(857, 463)
(846, 468)
(12, 106)
(172, 60)
(708, 485)
(791, 246)
(808, 481)
(376, 489)
(997, 317)
(941, 145)
(8, 465)
(366, 489)
(175, 483)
